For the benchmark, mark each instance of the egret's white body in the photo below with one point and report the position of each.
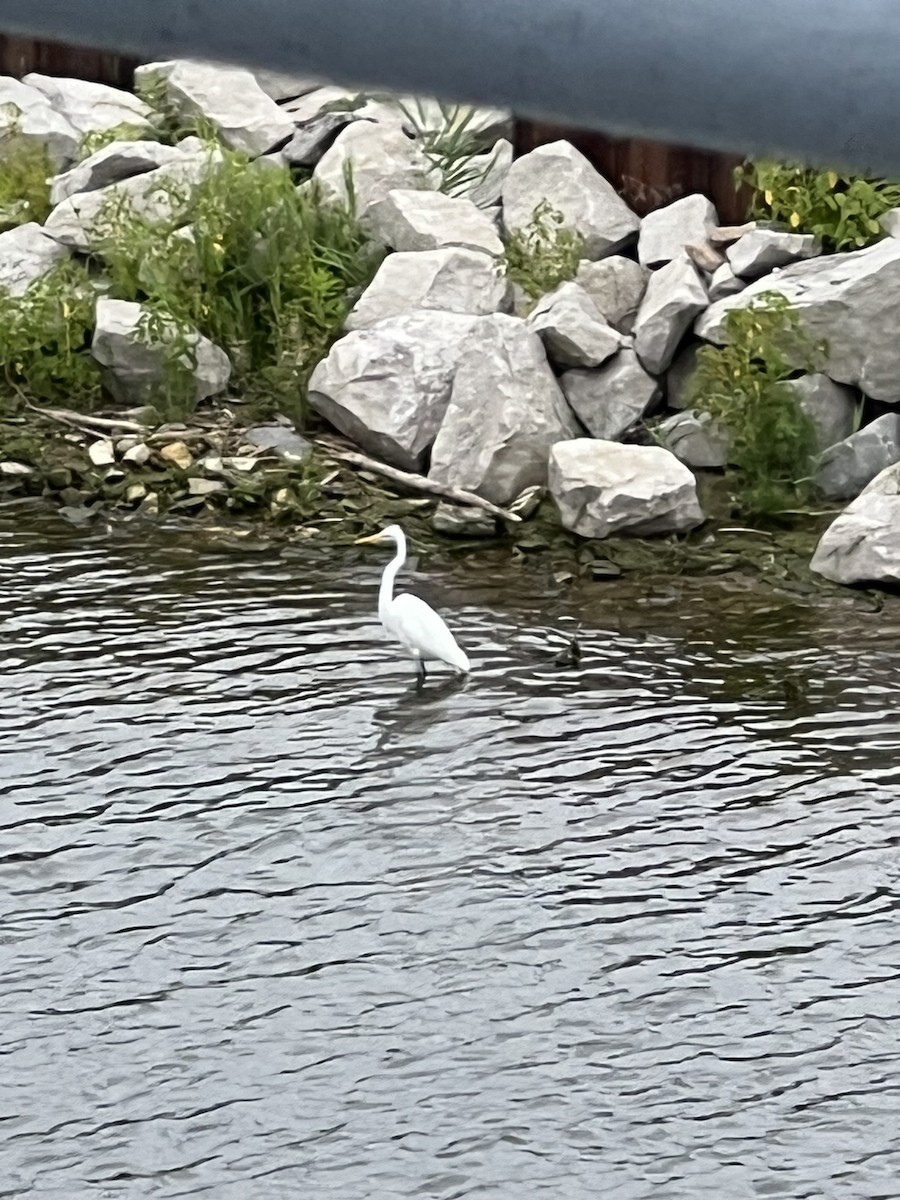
(423, 634)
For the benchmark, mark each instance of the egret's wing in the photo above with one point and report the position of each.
(419, 627)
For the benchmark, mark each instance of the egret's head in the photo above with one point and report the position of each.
(390, 535)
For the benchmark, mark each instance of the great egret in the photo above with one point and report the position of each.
(417, 627)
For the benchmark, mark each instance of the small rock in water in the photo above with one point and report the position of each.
(178, 454)
(150, 504)
(457, 521)
(137, 455)
(527, 502)
(15, 468)
(136, 492)
(239, 462)
(102, 453)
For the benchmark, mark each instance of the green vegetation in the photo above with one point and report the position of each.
(744, 385)
(544, 254)
(44, 339)
(25, 171)
(453, 147)
(99, 139)
(262, 269)
(842, 211)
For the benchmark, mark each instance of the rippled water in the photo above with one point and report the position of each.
(274, 924)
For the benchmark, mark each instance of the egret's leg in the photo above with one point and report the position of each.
(420, 670)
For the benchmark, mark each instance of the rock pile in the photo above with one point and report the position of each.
(442, 369)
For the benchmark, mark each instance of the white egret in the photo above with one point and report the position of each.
(415, 625)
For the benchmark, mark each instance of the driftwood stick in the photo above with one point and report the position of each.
(68, 416)
(418, 483)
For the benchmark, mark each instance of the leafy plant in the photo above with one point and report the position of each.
(842, 211)
(454, 145)
(44, 340)
(544, 254)
(175, 399)
(745, 386)
(25, 171)
(263, 269)
(99, 139)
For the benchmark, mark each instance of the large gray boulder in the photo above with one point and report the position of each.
(229, 98)
(611, 399)
(451, 280)
(723, 282)
(616, 285)
(762, 250)
(487, 173)
(863, 544)
(27, 112)
(161, 195)
(830, 406)
(680, 377)
(506, 410)
(666, 231)
(282, 87)
(851, 300)
(845, 469)
(561, 175)
(603, 488)
(387, 388)
(423, 220)
(571, 328)
(695, 438)
(380, 159)
(27, 253)
(675, 295)
(111, 164)
(134, 372)
(91, 107)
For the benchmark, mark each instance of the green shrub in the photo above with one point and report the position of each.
(842, 211)
(453, 146)
(99, 139)
(263, 269)
(544, 253)
(745, 386)
(25, 171)
(44, 340)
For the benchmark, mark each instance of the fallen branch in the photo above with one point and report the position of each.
(68, 416)
(417, 483)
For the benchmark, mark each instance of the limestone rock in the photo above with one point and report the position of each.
(695, 438)
(451, 280)
(488, 172)
(674, 297)
(830, 406)
(457, 521)
(381, 158)
(863, 544)
(120, 160)
(602, 488)
(160, 195)
(27, 253)
(387, 388)
(281, 87)
(851, 300)
(286, 443)
(616, 285)
(724, 283)
(135, 372)
(425, 220)
(311, 139)
(762, 250)
(506, 410)
(611, 399)
(29, 113)
(91, 107)
(228, 97)
(846, 468)
(666, 231)
(571, 328)
(562, 176)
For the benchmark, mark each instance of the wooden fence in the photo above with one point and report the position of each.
(648, 174)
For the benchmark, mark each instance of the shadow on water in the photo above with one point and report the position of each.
(276, 922)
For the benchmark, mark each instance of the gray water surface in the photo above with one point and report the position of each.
(273, 924)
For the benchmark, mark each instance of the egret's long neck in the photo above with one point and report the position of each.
(386, 592)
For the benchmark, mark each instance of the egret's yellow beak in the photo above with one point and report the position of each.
(371, 540)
